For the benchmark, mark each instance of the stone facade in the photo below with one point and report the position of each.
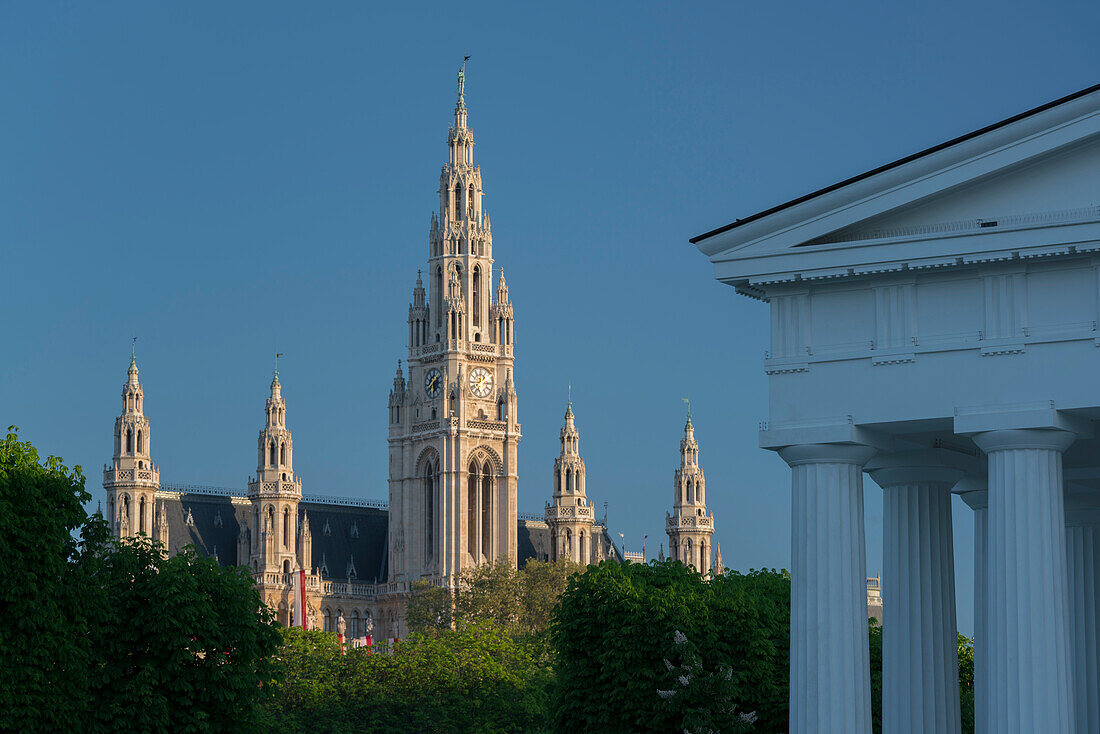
(453, 447)
(690, 526)
(570, 515)
(454, 426)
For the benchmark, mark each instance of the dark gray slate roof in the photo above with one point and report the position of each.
(343, 535)
(215, 523)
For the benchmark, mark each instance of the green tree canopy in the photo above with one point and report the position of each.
(476, 678)
(616, 627)
(102, 636)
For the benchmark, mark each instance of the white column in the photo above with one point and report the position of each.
(1083, 560)
(1029, 662)
(830, 687)
(920, 667)
(978, 501)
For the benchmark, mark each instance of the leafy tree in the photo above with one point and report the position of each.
(490, 593)
(541, 586)
(519, 601)
(104, 636)
(703, 698)
(615, 628)
(966, 683)
(874, 642)
(429, 608)
(188, 639)
(45, 656)
(477, 678)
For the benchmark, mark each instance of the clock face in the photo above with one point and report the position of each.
(481, 382)
(432, 383)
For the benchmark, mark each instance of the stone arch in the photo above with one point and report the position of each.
(428, 454)
(483, 453)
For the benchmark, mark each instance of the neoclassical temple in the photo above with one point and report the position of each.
(934, 326)
(453, 436)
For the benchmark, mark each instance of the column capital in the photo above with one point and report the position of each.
(827, 453)
(975, 499)
(925, 466)
(1024, 438)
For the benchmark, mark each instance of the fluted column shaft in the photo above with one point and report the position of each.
(1030, 662)
(1083, 563)
(830, 677)
(920, 680)
(979, 502)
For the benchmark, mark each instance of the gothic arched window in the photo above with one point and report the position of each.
(271, 454)
(569, 485)
(688, 557)
(140, 443)
(437, 297)
(477, 296)
(328, 619)
(702, 555)
(486, 513)
(500, 409)
(130, 441)
(429, 508)
(282, 453)
(471, 510)
(141, 516)
(470, 200)
(286, 527)
(581, 546)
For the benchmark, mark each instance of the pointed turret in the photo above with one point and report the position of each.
(162, 525)
(132, 479)
(501, 314)
(275, 490)
(305, 543)
(719, 567)
(690, 526)
(570, 515)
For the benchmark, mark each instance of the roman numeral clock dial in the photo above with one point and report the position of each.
(432, 383)
(481, 382)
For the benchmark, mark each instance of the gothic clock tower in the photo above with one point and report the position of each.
(453, 430)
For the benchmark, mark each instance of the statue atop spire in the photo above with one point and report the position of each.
(462, 81)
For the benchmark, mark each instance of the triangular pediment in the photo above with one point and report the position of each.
(965, 197)
(1061, 187)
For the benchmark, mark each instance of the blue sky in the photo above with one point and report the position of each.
(228, 179)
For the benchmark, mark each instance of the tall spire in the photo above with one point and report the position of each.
(132, 373)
